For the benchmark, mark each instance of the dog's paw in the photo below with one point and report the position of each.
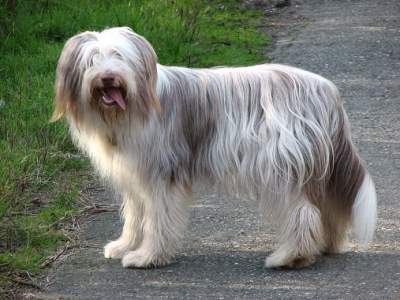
(144, 259)
(277, 260)
(116, 249)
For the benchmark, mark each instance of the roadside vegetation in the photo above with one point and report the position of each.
(42, 176)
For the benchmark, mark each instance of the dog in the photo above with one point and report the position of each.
(276, 133)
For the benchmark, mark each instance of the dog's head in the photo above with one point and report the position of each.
(110, 73)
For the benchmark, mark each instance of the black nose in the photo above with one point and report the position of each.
(108, 80)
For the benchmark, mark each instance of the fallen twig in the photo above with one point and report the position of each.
(53, 258)
(96, 209)
(26, 282)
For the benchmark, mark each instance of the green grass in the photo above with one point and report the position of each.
(41, 173)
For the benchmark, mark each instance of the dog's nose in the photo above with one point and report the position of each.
(108, 80)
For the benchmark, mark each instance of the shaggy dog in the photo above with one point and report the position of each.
(276, 133)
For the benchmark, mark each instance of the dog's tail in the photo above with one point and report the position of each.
(351, 188)
(364, 211)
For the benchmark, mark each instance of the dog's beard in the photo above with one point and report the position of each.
(113, 96)
(108, 96)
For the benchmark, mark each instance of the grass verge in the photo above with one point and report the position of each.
(41, 174)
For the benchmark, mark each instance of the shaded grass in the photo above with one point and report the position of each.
(41, 173)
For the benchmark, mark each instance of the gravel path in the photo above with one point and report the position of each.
(357, 45)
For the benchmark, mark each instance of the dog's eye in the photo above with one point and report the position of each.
(91, 62)
(93, 58)
(117, 55)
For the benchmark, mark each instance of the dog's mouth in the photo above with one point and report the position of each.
(113, 96)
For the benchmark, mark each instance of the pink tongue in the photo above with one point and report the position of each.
(116, 95)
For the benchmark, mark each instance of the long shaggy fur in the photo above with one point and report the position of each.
(277, 133)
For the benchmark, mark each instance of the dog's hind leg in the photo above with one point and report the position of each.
(165, 218)
(336, 227)
(132, 215)
(301, 237)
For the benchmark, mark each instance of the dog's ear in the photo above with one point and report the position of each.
(69, 76)
(146, 77)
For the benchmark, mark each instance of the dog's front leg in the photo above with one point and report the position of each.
(164, 221)
(132, 214)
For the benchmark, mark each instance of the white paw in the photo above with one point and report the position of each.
(281, 257)
(275, 261)
(116, 249)
(144, 259)
(285, 260)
